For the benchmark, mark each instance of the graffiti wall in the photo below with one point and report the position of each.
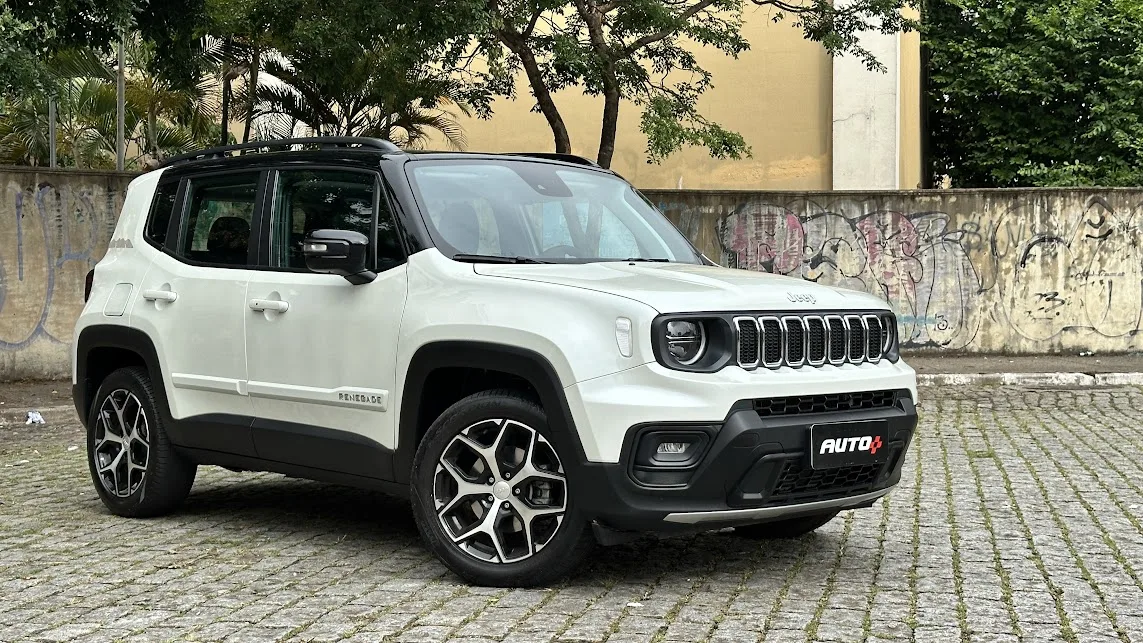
(1012, 271)
(54, 227)
(1006, 271)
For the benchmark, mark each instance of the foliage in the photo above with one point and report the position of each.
(370, 95)
(31, 32)
(160, 120)
(1026, 93)
(641, 51)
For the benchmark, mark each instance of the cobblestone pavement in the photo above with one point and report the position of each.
(1020, 518)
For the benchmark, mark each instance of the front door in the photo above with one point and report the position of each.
(193, 302)
(320, 351)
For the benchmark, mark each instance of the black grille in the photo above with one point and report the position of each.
(795, 341)
(797, 480)
(815, 340)
(747, 342)
(772, 341)
(796, 405)
(836, 339)
(856, 339)
(875, 339)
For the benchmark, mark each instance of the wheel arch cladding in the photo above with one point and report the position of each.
(516, 362)
(103, 349)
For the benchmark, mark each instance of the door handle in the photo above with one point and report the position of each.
(276, 305)
(159, 295)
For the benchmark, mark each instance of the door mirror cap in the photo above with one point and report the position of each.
(339, 252)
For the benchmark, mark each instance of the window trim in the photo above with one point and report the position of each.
(175, 208)
(183, 201)
(268, 209)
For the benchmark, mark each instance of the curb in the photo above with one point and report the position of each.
(1031, 379)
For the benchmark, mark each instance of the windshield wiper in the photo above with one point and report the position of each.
(473, 258)
(648, 259)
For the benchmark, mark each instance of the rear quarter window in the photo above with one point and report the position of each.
(162, 207)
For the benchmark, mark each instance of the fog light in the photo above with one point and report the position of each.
(672, 447)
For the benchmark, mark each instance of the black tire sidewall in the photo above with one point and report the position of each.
(555, 560)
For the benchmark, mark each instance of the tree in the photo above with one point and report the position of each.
(369, 95)
(1026, 93)
(32, 32)
(639, 50)
(160, 120)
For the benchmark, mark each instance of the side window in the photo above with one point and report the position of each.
(217, 225)
(308, 200)
(160, 216)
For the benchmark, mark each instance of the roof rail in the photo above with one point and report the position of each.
(556, 156)
(320, 141)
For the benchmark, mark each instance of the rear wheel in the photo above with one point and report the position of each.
(492, 497)
(790, 528)
(135, 468)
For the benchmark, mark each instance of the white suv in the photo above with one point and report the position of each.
(520, 344)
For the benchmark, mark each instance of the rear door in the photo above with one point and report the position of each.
(193, 303)
(321, 352)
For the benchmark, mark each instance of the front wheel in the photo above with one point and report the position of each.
(491, 494)
(790, 528)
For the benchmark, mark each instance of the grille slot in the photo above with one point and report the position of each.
(815, 341)
(856, 338)
(875, 337)
(837, 340)
(772, 342)
(795, 340)
(748, 341)
(801, 404)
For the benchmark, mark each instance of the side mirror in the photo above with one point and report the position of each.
(339, 252)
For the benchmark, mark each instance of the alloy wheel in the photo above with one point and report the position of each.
(122, 443)
(500, 491)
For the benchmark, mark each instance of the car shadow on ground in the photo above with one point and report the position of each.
(362, 521)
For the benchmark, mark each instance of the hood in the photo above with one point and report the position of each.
(677, 287)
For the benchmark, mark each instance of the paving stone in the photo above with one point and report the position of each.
(1018, 508)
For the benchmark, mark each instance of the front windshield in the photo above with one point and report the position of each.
(541, 211)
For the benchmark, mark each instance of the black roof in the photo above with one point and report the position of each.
(298, 148)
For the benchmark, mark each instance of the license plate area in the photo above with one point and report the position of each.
(843, 444)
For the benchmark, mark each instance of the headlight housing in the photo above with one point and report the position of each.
(692, 342)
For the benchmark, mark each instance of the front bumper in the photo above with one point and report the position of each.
(753, 469)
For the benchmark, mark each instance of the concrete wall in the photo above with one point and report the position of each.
(1019, 271)
(1012, 271)
(54, 227)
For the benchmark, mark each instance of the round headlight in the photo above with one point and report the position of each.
(686, 341)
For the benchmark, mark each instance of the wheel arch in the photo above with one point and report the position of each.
(514, 361)
(102, 349)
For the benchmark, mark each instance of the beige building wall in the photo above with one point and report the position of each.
(778, 95)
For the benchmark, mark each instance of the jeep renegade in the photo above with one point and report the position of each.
(518, 343)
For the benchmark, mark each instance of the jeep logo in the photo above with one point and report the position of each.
(870, 443)
(802, 297)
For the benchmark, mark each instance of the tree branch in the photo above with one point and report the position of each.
(656, 37)
(527, 33)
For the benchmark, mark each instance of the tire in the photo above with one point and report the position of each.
(783, 529)
(498, 552)
(147, 478)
